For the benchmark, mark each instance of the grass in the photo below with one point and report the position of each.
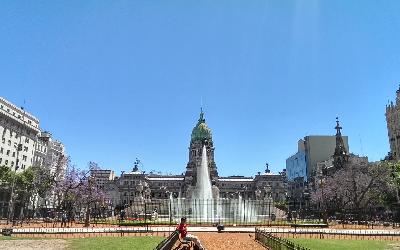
(333, 244)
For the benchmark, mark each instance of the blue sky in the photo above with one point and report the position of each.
(116, 80)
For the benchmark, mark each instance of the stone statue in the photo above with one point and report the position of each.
(258, 194)
(268, 193)
(215, 192)
(189, 192)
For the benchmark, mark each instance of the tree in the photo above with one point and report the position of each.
(356, 187)
(78, 190)
(19, 185)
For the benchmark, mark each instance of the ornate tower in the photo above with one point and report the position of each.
(340, 157)
(393, 126)
(201, 135)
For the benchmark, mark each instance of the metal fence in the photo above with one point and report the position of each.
(162, 212)
(275, 243)
(230, 212)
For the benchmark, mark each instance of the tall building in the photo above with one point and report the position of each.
(23, 145)
(19, 130)
(48, 152)
(296, 165)
(311, 150)
(393, 126)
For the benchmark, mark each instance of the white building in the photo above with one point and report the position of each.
(19, 130)
(48, 152)
(23, 145)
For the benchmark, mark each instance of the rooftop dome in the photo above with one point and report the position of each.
(201, 131)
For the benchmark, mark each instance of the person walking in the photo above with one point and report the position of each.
(64, 219)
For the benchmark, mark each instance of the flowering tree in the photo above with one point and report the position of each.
(78, 190)
(355, 187)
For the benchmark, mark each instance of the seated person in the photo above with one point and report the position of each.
(182, 228)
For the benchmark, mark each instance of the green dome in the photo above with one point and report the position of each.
(201, 131)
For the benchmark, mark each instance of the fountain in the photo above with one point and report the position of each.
(204, 206)
(202, 200)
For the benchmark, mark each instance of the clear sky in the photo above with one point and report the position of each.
(116, 80)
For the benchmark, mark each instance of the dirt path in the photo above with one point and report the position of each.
(237, 241)
(33, 244)
(394, 246)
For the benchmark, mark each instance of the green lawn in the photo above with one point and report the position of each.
(115, 243)
(331, 244)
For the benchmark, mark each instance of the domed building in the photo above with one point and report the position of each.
(201, 136)
(157, 186)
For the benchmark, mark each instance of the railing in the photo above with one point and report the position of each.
(275, 243)
(229, 212)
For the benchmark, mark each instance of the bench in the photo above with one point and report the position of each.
(169, 242)
(185, 244)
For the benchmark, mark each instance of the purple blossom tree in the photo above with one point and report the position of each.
(78, 190)
(355, 188)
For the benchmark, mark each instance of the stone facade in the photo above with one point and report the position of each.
(137, 186)
(393, 126)
(19, 131)
(48, 152)
(23, 145)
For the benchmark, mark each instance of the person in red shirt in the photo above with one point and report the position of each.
(182, 228)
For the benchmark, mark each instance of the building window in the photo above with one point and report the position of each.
(25, 149)
(3, 140)
(6, 162)
(27, 140)
(1, 159)
(1, 150)
(9, 143)
(12, 164)
(8, 152)
(13, 154)
(24, 157)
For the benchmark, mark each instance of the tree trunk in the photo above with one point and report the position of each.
(87, 217)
